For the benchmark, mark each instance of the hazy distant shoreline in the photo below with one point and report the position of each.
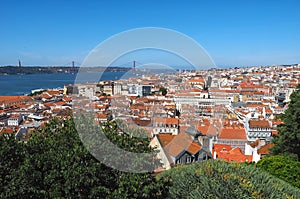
(24, 70)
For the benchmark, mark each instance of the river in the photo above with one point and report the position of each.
(23, 84)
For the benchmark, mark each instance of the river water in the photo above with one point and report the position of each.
(23, 84)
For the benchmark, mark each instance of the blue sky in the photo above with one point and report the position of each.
(234, 33)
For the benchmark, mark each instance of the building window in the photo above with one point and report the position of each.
(178, 161)
(188, 159)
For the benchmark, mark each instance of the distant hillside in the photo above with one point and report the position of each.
(218, 179)
(13, 70)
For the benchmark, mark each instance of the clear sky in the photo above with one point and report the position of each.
(234, 33)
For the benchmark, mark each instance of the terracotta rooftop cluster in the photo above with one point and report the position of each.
(216, 113)
(22, 114)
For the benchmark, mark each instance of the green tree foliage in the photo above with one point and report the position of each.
(55, 164)
(288, 140)
(11, 157)
(36, 93)
(163, 91)
(283, 167)
(111, 144)
(222, 180)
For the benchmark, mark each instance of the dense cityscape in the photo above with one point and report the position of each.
(150, 99)
(229, 114)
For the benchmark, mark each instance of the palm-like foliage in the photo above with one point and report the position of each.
(218, 179)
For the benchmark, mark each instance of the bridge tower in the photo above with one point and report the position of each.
(73, 67)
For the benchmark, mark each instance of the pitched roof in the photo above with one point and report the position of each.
(250, 105)
(233, 133)
(53, 92)
(259, 124)
(165, 139)
(207, 129)
(234, 154)
(142, 121)
(13, 99)
(7, 130)
(174, 145)
(199, 80)
(167, 120)
(45, 95)
(222, 147)
(264, 150)
(14, 116)
(194, 147)
(60, 103)
(100, 115)
(66, 99)
(255, 143)
(277, 122)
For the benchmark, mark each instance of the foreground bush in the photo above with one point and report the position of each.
(283, 167)
(55, 164)
(218, 179)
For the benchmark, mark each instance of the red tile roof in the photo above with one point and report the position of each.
(67, 99)
(194, 147)
(233, 133)
(7, 130)
(167, 120)
(277, 122)
(264, 150)
(221, 147)
(259, 124)
(235, 154)
(60, 103)
(53, 92)
(175, 144)
(14, 99)
(100, 115)
(200, 80)
(45, 95)
(207, 129)
(255, 143)
(165, 139)
(256, 105)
